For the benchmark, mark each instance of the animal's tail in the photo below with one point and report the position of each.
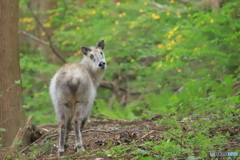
(73, 84)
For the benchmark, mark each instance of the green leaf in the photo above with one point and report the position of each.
(18, 82)
(2, 129)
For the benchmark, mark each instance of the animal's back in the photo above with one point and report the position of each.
(71, 83)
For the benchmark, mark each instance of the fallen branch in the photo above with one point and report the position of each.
(163, 7)
(21, 133)
(53, 125)
(34, 38)
(43, 136)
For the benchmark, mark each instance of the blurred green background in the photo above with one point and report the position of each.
(164, 57)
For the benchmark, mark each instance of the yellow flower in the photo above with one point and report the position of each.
(77, 28)
(29, 27)
(145, 3)
(27, 19)
(169, 48)
(132, 60)
(160, 45)
(36, 95)
(212, 21)
(74, 42)
(160, 65)
(141, 10)
(179, 37)
(168, 44)
(155, 16)
(167, 56)
(113, 29)
(62, 28)
(179, 70)
(175, 28)
(173, 42)
(93, 12)
(122, 14)
(43, 33)
(179, 15)
(80, 20)
(47, 25)
(177, 57)
(168, 13)
(131, 26)
(77, 53)
(64, 42)
(118, 3)
(189, 15)
(172, 1)
(171, 60)
(116, 22)
(123, 44)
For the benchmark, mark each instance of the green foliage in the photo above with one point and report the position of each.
(150, 52)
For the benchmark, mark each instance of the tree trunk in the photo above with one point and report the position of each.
(12, 115)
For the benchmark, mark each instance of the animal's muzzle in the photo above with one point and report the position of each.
(102, 65)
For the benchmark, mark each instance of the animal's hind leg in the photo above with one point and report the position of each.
(63, 132)
(62, 138)
(78, 123)
(67, 134)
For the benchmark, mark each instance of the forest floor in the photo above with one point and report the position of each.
(100, 135)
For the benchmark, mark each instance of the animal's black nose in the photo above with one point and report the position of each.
(102, 64)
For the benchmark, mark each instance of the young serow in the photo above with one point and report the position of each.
(73, 89)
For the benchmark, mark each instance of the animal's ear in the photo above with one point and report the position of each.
(100, 45)
(85, 50)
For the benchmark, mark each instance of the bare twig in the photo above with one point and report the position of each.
(34, 38)
(42, 153)
(162, 7)
(107, 131)
(48, 125)
(35, 142)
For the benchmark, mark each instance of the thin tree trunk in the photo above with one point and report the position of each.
(12, 115)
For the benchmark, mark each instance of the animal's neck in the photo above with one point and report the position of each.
(96, 75)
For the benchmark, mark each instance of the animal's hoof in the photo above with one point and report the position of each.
(78, 148)
(60, 152)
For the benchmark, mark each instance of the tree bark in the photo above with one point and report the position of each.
(12, 115)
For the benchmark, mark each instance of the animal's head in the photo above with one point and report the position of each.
(95, 56)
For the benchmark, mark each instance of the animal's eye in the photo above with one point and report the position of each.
(101, 53)
(91, 56)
